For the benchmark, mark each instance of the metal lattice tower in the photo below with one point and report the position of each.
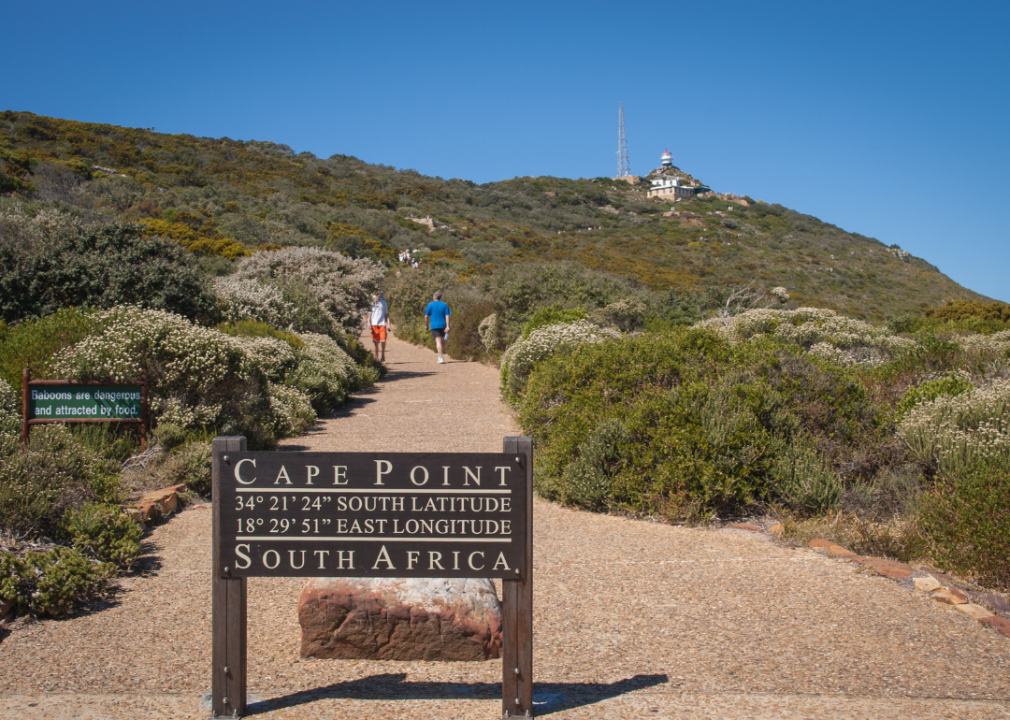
(623, 166)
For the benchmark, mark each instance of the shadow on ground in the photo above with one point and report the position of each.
(547, 697)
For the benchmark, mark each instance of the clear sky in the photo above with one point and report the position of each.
(885, 118)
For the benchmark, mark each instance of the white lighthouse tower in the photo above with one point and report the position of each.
(667, 159)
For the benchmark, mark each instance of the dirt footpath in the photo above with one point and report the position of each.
(632, 619)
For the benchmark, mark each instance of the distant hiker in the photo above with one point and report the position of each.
(378, 322)
(436, 319)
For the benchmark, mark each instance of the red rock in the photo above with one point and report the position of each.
(974, 611)
(950, 596)
(776, 529)
(888, 568)
(840, 552)
(136, 515)
(400, 619)
(149, 512)
(166, 498)
(1001, 624)
(745, 526)
(820, 543)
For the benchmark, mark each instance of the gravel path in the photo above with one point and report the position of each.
(632, 619)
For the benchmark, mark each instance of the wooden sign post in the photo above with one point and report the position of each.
(70, 401)
(299, 514)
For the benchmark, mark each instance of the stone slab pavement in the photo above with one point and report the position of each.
(633, 619)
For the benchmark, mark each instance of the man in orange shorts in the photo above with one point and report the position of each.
(378, 322)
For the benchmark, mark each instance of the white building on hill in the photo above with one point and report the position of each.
(668, 186)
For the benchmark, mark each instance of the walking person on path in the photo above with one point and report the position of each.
(436, 319)
(378, 323)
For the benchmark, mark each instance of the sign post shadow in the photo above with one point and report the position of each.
(286, 514)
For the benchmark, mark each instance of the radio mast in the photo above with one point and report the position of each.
(623, 166)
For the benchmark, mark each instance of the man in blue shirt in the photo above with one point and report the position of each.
(436, 319)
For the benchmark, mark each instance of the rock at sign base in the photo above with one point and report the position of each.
(400, 619)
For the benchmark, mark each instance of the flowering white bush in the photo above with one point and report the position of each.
(253, 300)
(181, 358)
(18, 224)
(780, 294)
(952, 433)
(200, 377)
(8, 403)
(521, 357)
(325, 373)
(488, 331)
(995, 344)
(292, 410)
(265, 356)
(177, 412)
(825, 333)
(343, 285)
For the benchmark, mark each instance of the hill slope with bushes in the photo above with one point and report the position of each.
(222, 199)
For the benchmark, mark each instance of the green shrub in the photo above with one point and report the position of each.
(54, 474)
(966, 521)
(103, 532)
(52, 261)
(255, 328)
(53, 582)
(325, 373)
(552, 315)
(33, 343)
(712, 426)
(464, 342)
(802, 481)
(170, 435)
(627, 315)
(588, 479)
(950, 386)
(964, 309)
(110, 441)
(520, 359)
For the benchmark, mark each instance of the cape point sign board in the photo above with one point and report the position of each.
(372, 515)
(437, 515)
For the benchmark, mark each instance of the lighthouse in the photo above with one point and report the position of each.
(667, 159)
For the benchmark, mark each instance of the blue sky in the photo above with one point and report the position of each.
(885, 118)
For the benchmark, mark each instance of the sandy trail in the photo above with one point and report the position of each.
(632, 619)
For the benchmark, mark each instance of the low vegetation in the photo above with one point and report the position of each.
(261, 356)
(728, 358)
(691, 406)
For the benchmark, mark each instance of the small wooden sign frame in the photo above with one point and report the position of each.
(27, 422)
(230, 665)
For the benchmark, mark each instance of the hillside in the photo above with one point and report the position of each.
(224, 198)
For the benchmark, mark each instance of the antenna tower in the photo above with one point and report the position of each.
(623, 166)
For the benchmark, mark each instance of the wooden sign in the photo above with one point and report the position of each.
(70, 401)
(284, 514)
(372, 515)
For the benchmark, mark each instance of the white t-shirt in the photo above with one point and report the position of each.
(380, 311)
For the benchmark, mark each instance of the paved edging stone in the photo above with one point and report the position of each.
(924, 581)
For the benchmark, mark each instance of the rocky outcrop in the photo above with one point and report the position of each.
(400, 619)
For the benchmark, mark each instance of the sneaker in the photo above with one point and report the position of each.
(441, 361)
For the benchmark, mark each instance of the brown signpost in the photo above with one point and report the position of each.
(287, 514)
(70, 401)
